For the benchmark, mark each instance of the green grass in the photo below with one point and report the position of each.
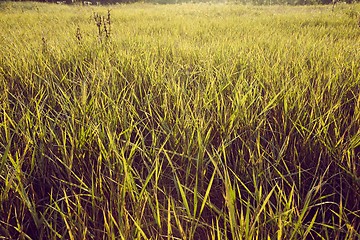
(193, 121)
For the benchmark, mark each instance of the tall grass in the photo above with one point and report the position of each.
(182, 122)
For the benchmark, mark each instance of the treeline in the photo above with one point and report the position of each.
(259, 2)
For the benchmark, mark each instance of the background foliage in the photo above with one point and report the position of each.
(258, 2)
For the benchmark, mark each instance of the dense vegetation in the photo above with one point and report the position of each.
(258, 2)
(179, 122)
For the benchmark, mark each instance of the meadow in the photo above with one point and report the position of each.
(185, 121)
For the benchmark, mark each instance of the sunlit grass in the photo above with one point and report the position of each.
(193, 121)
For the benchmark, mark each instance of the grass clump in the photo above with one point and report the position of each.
(188, 122)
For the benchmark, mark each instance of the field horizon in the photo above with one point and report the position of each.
(185, 121)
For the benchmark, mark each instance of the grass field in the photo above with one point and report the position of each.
(192, 121)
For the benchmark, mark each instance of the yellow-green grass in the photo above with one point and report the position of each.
(193, 121)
